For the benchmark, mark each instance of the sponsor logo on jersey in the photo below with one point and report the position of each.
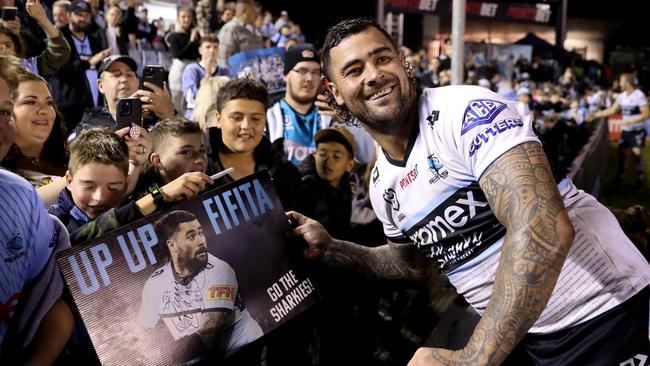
(410, 177)
(458, 229)
(221, 292)
(288, 126)
(391, 197)
(432, 118)
(498, 127)
(435, 167)
(481, 112)
(15, 248)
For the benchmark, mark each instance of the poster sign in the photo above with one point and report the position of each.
(207, 276)
(265, 65)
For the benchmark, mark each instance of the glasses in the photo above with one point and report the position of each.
(303, 72)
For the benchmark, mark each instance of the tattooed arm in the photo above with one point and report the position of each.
(389, 261)
(522, 194)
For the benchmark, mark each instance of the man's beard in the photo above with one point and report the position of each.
(385, 123)
(79, 27)
(301, 99)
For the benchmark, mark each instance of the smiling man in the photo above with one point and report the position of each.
(462, 181)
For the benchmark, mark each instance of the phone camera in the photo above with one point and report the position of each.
(125, 109)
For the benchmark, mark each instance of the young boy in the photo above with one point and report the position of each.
(326, 191)
(93, 201)
(178, 151)
(196, 73)
(238, 140)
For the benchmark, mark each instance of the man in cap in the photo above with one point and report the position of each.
(296, 117)
(75, 84)
(117, 79)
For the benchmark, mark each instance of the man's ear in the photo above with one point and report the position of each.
(335, 92)
(217, 120)
(100, 85)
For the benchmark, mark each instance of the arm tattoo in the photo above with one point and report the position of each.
(389, 261)
(214, 324)
(523, 195)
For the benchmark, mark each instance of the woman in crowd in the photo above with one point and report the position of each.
(115, 36)
(56, 53)
(184, 48)
(39, 150)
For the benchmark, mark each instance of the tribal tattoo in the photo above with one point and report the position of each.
(523, 195)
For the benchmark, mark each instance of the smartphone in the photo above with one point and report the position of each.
(154, 74)
(9, 12)
(129, 111)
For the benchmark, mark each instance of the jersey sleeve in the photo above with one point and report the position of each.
(489, 127)
(43, 235)
(220, 289)
(148, 315)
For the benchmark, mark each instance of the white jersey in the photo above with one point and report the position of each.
(180, 305)
(433, 199)
(631, 107)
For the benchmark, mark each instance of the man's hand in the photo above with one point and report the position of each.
(325, 109)
(433, 357)
(313, 232)
(195, 36)
(156, 101)
(186, 186)
(99, 57)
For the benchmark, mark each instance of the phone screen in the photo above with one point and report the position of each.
(9, 12)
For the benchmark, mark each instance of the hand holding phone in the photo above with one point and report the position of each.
(129, 113)
(9, 12)
(153, 74)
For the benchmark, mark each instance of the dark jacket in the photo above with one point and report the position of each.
(69, 85)
(128, 26)
(101, 117)
(81, 227)
(285, 176)
(331, 206)
(181, 47)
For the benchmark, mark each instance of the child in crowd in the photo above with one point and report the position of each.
(326, 191)
(238, 140)
(93, 201)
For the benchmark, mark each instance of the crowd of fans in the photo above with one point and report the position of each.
(78, 59)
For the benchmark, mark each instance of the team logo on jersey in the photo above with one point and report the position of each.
(632, 361)
(498, 127)
(375, 175)
(288, 126)
(410, 177)
(391, 197)
(15, 248)
(432, 118)
(481, 112)
(436, 168)
(221, 292)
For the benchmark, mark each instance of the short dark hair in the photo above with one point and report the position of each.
(242, 89)
(98, 145)
(343, 30)
(209, 38)
(175, 126)
(167, 225)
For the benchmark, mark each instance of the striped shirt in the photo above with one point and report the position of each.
(27, 239)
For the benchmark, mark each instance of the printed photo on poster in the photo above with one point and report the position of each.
(265, 65)
(205, 277)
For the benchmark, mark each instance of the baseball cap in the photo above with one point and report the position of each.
(284, 13)
(337, 134)
(142, 8)
(523, 91)
(108, 61)
(79, 6)
(297, 54)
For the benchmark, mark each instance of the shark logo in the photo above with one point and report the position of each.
(436, 168)
(391, 197)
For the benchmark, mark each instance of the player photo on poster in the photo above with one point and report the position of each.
(205, 277)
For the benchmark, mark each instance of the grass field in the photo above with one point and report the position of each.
(627, 194)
